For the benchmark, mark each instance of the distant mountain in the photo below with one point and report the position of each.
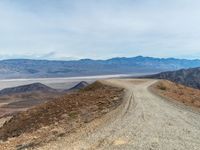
(78, 86)
(39, 87)
(24, 68)
(35, 87)
(30, 95)
(188, 77)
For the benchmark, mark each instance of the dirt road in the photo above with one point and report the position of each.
(145, 121)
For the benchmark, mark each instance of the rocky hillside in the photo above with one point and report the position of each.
(187, 77)
(59, 117)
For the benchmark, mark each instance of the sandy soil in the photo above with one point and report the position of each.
(143, 122)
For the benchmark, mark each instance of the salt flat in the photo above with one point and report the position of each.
(59, 83)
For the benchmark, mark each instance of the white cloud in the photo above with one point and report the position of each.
(99, 29)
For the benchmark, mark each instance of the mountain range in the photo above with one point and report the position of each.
(26, 68)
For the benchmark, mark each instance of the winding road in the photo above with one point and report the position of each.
(144, 121)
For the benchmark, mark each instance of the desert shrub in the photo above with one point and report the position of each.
(161, 86)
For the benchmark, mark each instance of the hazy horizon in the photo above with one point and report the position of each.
(77, 59)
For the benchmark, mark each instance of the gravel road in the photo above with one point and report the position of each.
(143, 122)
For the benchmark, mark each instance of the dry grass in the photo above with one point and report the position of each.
(162, 86)
(188, 96)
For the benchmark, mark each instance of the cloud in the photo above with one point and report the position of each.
(41, 56)
(99, 29)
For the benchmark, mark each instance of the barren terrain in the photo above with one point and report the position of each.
(144, 121)
(10, 104)
(58, 117)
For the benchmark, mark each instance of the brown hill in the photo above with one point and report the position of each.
(20, 98)
(79, 86)
(27, 88)
(79, 107)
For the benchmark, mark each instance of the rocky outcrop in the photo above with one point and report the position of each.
(187, 77)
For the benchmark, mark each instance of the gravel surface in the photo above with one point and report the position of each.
(143, 122)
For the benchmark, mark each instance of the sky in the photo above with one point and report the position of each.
(99, 29)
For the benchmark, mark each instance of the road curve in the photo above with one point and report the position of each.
(143, 122)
